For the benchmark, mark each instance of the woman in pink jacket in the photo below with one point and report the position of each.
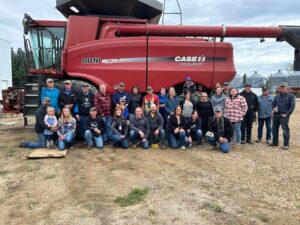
(235, 109)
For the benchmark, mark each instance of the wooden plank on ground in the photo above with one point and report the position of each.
(46, 153)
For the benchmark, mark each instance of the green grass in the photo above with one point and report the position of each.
(49, 177)
(298, 206)
(216, 208)
(262, 217)
(3, 172)
(10, 153)
(151, 212)
(135, 196)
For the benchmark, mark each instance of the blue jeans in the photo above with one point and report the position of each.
(261, 122)
(82, 125)
(237, 131)
(107, 121)
(67, 142)
(176, 140)
(118, 141)
(224, 147)
(134, 136)
(91, 139)
(161, 137)
(197, 137)
(278, 121)
(40, 144)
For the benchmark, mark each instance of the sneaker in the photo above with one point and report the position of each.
(134, 146)
(163, 147)
(89, 147)
(272, 145)
(190, 145)
(199, 146)
(183, 147)
(258, 141)
(153, 146)
(48, 144)
(71, 147)
(243, 142)
(238, 145)
(268, 142)
(285, 147)
(23, 144)
(250, 142)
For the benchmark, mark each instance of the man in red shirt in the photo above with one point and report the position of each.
(102, 103)
(150, 99)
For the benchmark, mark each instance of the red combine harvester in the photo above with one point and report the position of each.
(120, 40)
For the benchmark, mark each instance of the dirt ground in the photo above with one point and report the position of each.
(253, 185)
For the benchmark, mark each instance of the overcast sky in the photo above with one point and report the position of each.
(250, 54)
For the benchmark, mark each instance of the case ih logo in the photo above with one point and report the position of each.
(190, 59)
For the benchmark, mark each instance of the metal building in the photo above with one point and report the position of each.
(257, 80)
(294, 79)
(5, 66)
(275, 80)
(237, 82)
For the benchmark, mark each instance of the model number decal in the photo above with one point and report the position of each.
(91, 60)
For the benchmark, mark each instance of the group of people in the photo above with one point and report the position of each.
(223, 118)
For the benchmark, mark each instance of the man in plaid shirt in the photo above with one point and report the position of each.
(102, 102)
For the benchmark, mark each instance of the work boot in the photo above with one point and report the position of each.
(250, 142)
(23, 144)
(243, 142)
(272, 145)
(268, 142)
(258, 141)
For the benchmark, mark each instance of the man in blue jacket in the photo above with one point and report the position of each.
(283, 107)
(265, 103)
(120, 94)
(52, 93)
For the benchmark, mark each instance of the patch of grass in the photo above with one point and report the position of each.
(216, 208)
(262, 217)
(10, 153)
(298, 206)
(151, 212)
(3, 172)
(49, 177)
(135, 196)
(89, 206)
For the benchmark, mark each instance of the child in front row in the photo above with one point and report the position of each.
(51, 121)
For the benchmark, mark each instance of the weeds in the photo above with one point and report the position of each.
(262, 217)
(216, 208)
(3, 172)
(10, 153)
(151, 212)
(49, 177)
(134, 197)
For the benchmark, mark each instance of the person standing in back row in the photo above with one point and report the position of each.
(265, 103)
(283, 107)
(249, 118)
(150, 99)
(205, 111)
(52, 93)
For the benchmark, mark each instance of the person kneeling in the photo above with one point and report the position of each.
(194, 131)
(157, 133)
(94, 128)
(66, 129)
(139, 129)
(176, 128)
(119, 129)
(220, 131)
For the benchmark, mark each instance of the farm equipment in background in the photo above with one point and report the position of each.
(12, 99)
(105, 42)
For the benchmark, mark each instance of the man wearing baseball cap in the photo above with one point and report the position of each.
(264, 114)
(252, 103)
(189, 85)
(150, 99)
(119, 94)
(52, 93)
(67, 96)
(283, 107)
(40, 126)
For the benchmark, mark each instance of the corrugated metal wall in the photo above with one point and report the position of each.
(5, 66)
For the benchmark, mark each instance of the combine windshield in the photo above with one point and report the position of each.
(45, 45)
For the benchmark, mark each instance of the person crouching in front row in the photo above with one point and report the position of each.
(139, 129)
(119, 128)
(220, 131)
(176, 126)
(94, 128)
(157, 132)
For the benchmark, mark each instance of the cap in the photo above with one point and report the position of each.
(247, 84)
(264, 88)
(226, 83)
(46, 99)
(149, 88)
(93, 109)
(49, 80)
(85, 85)
(188, 78)
(218, 109)
(123, 99)
(67, 82)
(121, 84)
(283, 84)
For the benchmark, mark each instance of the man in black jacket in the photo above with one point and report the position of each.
(94, 129)
(252, 102)
(67, 97)
(40, 126)
(220, 131)
(157, 132)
